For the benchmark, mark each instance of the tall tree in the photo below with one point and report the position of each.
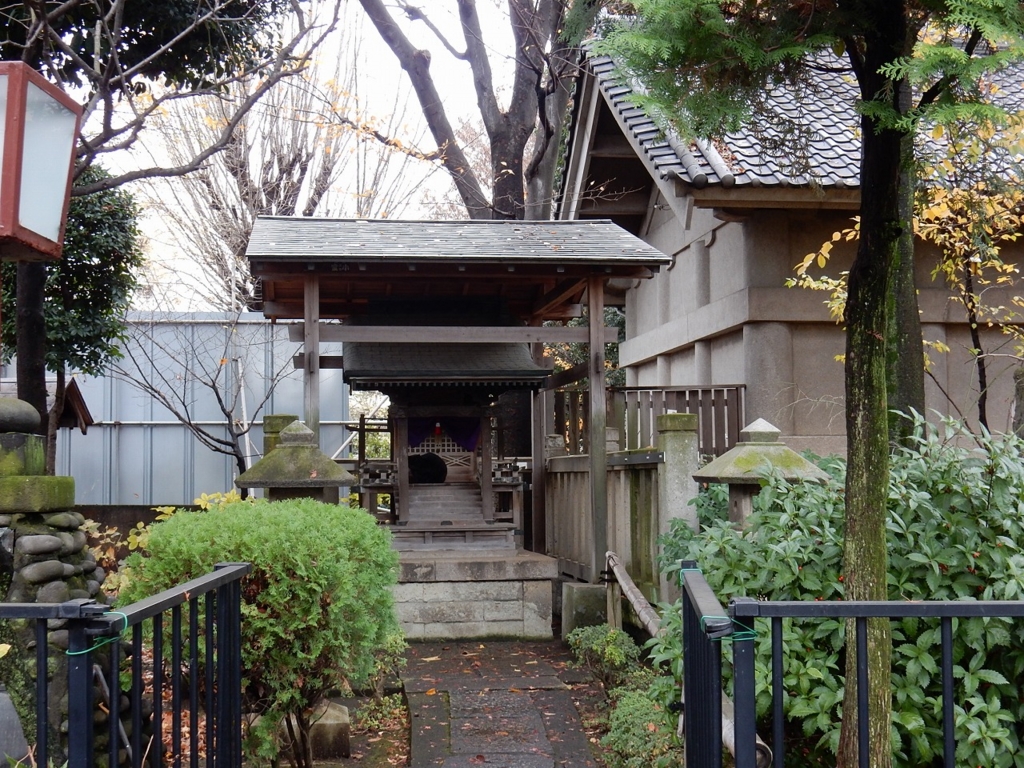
(523, 130)
(86, 293)
(310, 147)
(129, 61)
(707, 64)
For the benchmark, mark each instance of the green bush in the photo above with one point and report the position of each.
(609, 653)
(315, 607)
(641, 732)
(955, 531)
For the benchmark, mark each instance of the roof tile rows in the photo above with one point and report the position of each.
(829, 154)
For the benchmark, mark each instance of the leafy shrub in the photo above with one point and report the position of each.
(609, 653)
(642, 733)
(315, 607)
(955, 531)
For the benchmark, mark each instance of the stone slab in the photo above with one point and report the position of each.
(506, 720)
(583, 605)
(461, 565)
(496, 704)
(36, 494)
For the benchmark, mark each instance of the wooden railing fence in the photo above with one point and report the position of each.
(634, 411)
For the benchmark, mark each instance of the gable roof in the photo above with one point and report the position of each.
(618, 154)
(742, 158)
(529, 270)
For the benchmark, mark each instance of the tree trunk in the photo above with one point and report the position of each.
(869, 305)
(53, 422)
(906, 351)
(31, 330)
(971, 304)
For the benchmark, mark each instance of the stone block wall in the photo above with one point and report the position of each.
(465, 595)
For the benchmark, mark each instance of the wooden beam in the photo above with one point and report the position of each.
(559, 294)
(432, 334)
(570, 376)
(327, 362)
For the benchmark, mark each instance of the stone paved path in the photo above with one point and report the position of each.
(495, 704)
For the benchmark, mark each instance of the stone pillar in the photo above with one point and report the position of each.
(677, 440)
(770, 394)
(272, 426)
(44, 556)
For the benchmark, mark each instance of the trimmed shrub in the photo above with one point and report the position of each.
(315, 607)
(955, 532)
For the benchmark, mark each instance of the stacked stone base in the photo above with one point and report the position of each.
(456, 594)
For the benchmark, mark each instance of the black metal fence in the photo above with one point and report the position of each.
(181, 676)
(705, 624)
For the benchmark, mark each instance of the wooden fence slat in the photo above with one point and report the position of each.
(645, 418)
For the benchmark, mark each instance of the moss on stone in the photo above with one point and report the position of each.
(40, 493)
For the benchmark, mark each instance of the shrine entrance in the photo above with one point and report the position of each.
(445, 318)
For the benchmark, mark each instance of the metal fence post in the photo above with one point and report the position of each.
(745, 706)
(80, 715)
(704, 625)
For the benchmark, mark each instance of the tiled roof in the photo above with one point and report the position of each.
(441, 364)
(596, 242)
(826, 108)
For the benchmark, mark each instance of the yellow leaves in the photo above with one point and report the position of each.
(938, 131)
(5, 648)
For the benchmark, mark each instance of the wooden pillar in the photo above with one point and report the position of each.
(538, 462)
(486, 489)
(400, 449)
(598, 417)
(311, 346)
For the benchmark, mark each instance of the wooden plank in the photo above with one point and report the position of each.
(558, 295)
(327, 362)
(632, 420)
(718, 409)
(431, 334)
(564, 378)
(644, 413)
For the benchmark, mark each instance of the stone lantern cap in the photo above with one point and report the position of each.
(758, 452)
(296, 462)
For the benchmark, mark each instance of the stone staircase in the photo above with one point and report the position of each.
(449, 516)
(450, 503)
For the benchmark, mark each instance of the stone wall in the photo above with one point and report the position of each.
(447, 595)
(44, 558)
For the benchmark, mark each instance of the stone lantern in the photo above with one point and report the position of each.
(297, 469)
(744, 466)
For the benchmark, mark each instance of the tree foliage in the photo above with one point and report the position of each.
(128, 61)
(310, 147)
(89, 289)
(87, 292)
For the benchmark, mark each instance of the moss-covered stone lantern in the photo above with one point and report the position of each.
(744, 466)
(297, 469)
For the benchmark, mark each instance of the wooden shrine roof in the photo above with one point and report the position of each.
(534, 269)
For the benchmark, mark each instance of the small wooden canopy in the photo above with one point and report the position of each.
(537, 270)
(444, 285)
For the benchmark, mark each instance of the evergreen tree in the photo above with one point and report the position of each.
(707, 65)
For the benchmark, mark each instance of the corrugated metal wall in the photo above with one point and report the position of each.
(137, 452)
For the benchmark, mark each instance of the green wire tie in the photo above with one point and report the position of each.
(106, 640)
(744, 632)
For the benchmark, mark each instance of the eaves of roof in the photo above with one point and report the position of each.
(740, 160)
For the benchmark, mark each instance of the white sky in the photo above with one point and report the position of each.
(380, 77)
